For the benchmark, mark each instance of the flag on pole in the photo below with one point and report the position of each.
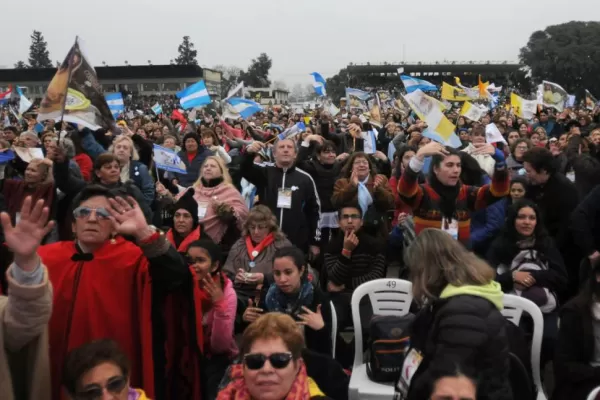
(75, 94)
(115, 103)
(523, 108)
(236, 91)
(168, 160)
(195, 95)
(411, 84)
(292, 131)
(5, 96)
(319, 84)
(453, 93)
(356, 98)
(590, 100)
(24, 103)
(157, 109)
(552, 95)
(493, 134)
(473, 112)
(440, 128)
(245, 108)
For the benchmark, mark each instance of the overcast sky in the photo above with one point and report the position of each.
(301, 36)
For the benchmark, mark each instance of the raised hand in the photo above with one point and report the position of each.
(350, 241)
(312, 319)
(128, 218)
(484, 148)
(252, 313)
(25, 237)
(430, 149)
(213, 289)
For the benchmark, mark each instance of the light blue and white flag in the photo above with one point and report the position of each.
(157, 109)
(293, 131)
(494, 100)
(359, 94)
(319, 84)
(194, 96)
(246, 108)
(168, 160)
(115, 103)
(411, 84)
(24, 104)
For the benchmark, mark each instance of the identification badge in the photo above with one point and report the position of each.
(202, 207)
(284, 198)
(450, 226)
(409, 367)
(571, 176)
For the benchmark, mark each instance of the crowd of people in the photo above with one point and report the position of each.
(123, 279)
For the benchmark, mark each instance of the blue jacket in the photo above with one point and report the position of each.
(138, 172)
(192, 168)
(485, 225)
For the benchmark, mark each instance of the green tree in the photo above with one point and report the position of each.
(230, 76)
(258, 72)
(21, 65)
(337, 84)
(39, 57)
(568, 54)
(187, 53)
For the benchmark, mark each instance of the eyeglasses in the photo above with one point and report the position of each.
(350, 216)
(86, 212)
(115, 385)
(257, 360)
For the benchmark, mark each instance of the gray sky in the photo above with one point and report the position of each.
(301, 36)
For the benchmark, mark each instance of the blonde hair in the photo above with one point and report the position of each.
(262, 213)
(224, 171)
(46, 168)
(436, 260)
(134, 153)
(274, 325)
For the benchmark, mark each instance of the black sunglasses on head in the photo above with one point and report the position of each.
(256, 361)
(115, 385)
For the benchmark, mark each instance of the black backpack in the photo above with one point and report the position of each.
(389, 341)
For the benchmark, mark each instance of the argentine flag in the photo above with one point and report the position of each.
(319, 84)
(168, 160)
(293, 131)
(115, 103)
(24, 104)
(194, 96)
(411, 84)
(244, 107)
(157, 109)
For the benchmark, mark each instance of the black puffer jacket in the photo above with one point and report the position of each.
(467, 331)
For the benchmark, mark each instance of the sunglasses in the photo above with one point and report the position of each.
(86, 212)
(115, 385)
(257, 360)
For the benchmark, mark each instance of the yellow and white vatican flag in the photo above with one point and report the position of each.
(474, 112)
(525, 109)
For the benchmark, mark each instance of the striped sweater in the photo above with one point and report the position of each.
(366, 263)
(425, 202)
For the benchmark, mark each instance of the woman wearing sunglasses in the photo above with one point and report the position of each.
(272, 367)
(99, 370)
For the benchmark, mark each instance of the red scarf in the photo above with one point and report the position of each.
(185, 243)
(253, 252)
(237, 389)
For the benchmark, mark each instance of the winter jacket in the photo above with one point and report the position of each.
(513, 166)
(464, 327)
(24, 362)
(192, 168)
(300, 223)
(485, 225)
(574, 377)
(585, 223)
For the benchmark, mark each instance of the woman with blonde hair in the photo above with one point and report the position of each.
(222, 210)
(460, 321)
(250, 261)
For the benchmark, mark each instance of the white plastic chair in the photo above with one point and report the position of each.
(593, 394)
(388, 297)
(513, 311)
(333, 328)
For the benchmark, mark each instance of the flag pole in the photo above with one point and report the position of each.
(70, 69)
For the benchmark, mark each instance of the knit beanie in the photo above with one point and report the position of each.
(188, 203)
(191, 135)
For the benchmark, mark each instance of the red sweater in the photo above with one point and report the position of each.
(425, 202)
(85, 165)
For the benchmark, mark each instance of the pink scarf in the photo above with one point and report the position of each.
(222, 193)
